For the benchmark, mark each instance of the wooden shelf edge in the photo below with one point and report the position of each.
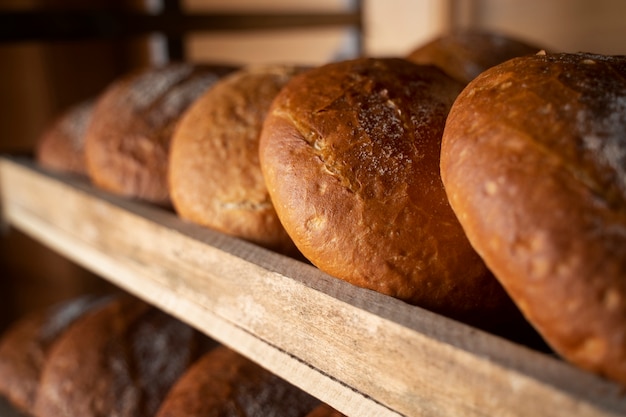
(363, 353)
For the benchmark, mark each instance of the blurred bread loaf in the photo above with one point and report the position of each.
(127, 142)
(225, 383)
(465, 53)
(61, 146)
(119, 361)
(25, 346)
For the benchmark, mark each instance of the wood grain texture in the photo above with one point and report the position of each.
(363, 353)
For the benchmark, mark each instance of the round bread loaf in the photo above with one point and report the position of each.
(534, 164)
(25, 345)
(61, 147)
(226, 384)
(350, 154)
(118, 361)
(127, 143)
(215, 178)
(465, 53)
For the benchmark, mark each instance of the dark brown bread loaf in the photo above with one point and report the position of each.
(119, 361)
(24, 347)
(61, 147)
(225, 384)
(127, 142)
(534, 164)
(350, 154)
(465, 53)
(215, 178)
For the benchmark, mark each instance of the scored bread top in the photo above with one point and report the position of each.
(350, 154)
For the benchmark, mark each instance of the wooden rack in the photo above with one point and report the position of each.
(172, 22)
(363, 353)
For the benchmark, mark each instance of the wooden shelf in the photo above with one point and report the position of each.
(364, 353)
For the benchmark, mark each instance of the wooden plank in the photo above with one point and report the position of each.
(363, 353)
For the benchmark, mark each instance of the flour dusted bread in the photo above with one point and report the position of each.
(119, 361)
(127, 143)
(24, 347)
(215, 178)
(225, 384)
(534, 164)
(350, 154)
(465, 53)
(61, 146)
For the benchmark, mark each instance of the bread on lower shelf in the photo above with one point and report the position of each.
(224, 383)
(61, 146)
(117, 355)
(26, 345)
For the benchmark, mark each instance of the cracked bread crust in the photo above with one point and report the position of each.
(215, 178)
(545, 203)
(350, 154)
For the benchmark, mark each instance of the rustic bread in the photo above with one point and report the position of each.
(465, 53)
(119, 361)
(127, 142)
(534, 164)
(350, 155)
(61, 146)
(224, 383)
(24, 347)
(215, 179)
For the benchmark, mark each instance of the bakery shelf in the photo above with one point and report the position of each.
(362, 352)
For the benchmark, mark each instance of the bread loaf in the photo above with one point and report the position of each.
(215, 179)
(127, 143)
(350, 155)
(119, 361)
(465, 53)
(534, 164)
(61, 146)
(24, 347)
(223, 383)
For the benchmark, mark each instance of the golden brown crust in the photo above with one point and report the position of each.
(350, 154)
(534, 163)
(24, 347)
(225, 384)
(215, 179)
(62, 145)
(465, 53)
(121, 360)
(127, 143)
